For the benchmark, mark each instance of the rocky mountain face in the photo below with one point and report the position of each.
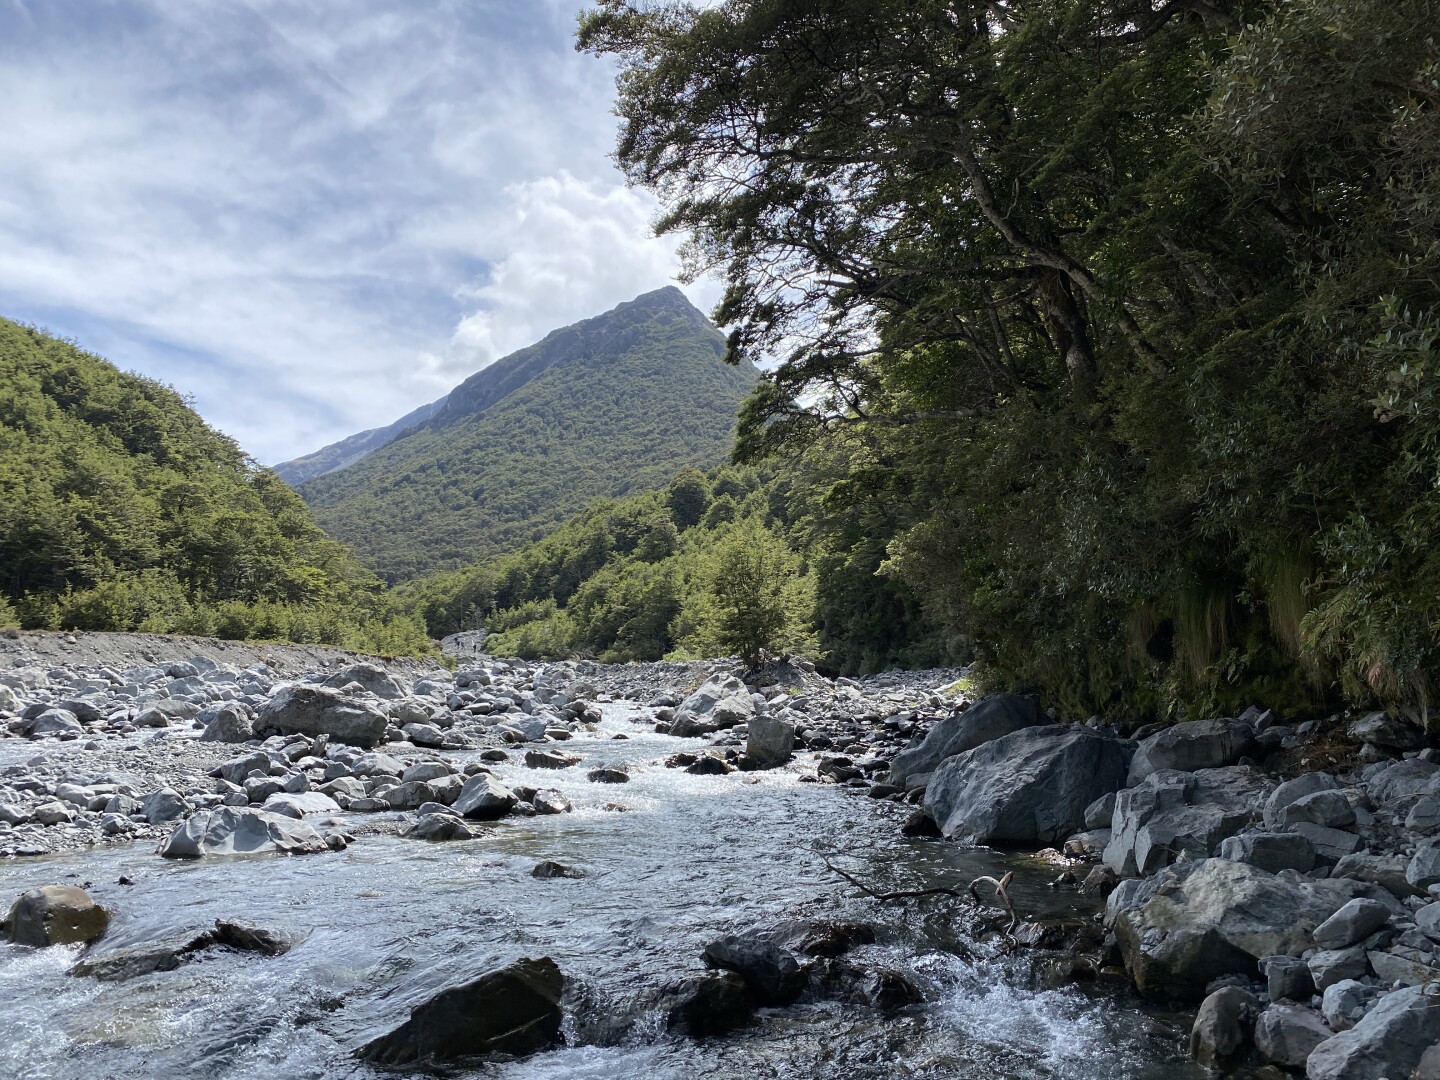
(610, 405)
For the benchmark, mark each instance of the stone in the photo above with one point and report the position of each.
(1424, 867)
(483, 798)
(1223, 1026)
(164, 806)
(1400, 964)
(550, 801)
(53, 812)
(1424, 816)
(56, 724)
(237, 769)
(372, 678)
(510, 1012)
(1173, 814)
(315, 710)
(231, 723)
(550, 759)
(1031, 786)
(1101, 882)
(709, 765)
(1100, 813)
(988, 719)
(233, 830)
(1270, 851)
(1196, 744)
(1402, 780)
(549, 868)
(1328, 808)
(426, 735)
(56, 915)
(1328, 844)
(1429, 1067)
(1391, 732)
(721, 701)
(1330, 966)
(1354, 922)
(1291, 790)
(298, 805)
(875, 987)
(1428, 920)
(1285, 1035)
(1197, 921)
(1386, 1043)
(1287, 978)
(439, 827)
(1345, 1002)
(770, 742)
(771, 973)
(712, 1003)
(608, 774)
(423, 771)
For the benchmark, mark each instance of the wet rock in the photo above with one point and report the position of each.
(1031, 786)
(440, 827)
(1100, 882)
(316, 710)
(1223, 1026)
(876, 987)
(1286, 1034)
(1354, 922)
(550, 801)
(770, 742)
(56, 724)
(986, 720)
(239, 831)
(1387, 1042)
(246, 937)
(1197, 744)
(713, 1003)
(549, 868)
(512, 1012)
(609, 774)
(55, 915)
(708, 765)
(483, 798)
(821, 937)
(1198, 921)
(550, 759)
(921, 824)
(771, 973)
(118, 965)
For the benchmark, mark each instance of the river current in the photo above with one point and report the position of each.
(672, 861)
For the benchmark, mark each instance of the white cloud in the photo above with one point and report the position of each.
(311, 217)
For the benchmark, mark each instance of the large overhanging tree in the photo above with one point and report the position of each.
(1101, 283)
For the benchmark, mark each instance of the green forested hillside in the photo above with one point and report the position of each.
(121, 510)
(650, 576)
(608, 406)
(1138, 300)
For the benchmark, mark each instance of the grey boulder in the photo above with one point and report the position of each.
(1196, 744)
(373, 678)
(56, 915)
(1286, 1034)
(986, 720)
(231, 723)
(1172, 815)
(1354, 922)
(483, 798)
(1031, 786)
(317, 710)
(770, 741)
(772, 974)
(1388, 1042)
(233, 830)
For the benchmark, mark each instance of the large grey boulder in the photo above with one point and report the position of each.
(298, 805)
(510, 1012)
(318, 710)
(1423, 870)
(229, 723)
(1172, 815)
(770, 742)
(1286, 1034)
(1197, 744)
(1031, 786)
(1197, 921)
(1270, 851)
(1388, 1042)
(1223, 1026)
(1403, 780)
(721, 701)
(55, 915)
(164, 806)
(1354, 922)
(373, 678)
(1294, 790)
(1344, 1003)
(483, 798)
(988, 719)
(772, 974)
(232, 830)
(56, 724)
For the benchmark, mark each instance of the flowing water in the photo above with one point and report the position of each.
(388, 922)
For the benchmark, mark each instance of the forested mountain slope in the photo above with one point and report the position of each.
(608, 406)
(120, 509)
(350, 450)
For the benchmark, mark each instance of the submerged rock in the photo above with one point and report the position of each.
(510, 1012)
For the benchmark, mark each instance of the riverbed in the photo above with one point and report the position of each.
(672, 861)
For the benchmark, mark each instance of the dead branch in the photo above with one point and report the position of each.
(900, 895)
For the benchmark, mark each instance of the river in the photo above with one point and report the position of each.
(387, 922)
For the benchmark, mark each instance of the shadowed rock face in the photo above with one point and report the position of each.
(512, 1011)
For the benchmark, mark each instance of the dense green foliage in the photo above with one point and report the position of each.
(609, 406)
(725, 564)
(121, 510)
(1132, 306)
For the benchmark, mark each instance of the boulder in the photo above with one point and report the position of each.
(770, 742)
(164, 806)
(56, 915)
(608, 774)
(438, 827)
(373, 678)
(1402, 780)
(231, 723)
(232, 830)
(986, 720)
(1391, 732)
(1423, 869)
(317, 710)
(1292, 790)
(771, 973)
(1172, 815)
(1388, 1042)
(483, 798)
(1345, 1002)
(1327, 843)
(1285, 1035)
(1328, 808)
(1031, 786)
(709, 1004)
(1198, 921)
(1331, 966)
(548, 869)
(1354, 922)
(1223, 1026)
(1270, 851)
(298, 805)
(1287, 978)
(510, 1012)
(550, 759)
(56, 724)
(426, 735)
(1196, 744)
(721, 701)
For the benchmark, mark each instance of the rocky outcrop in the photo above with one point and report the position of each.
(510, 1012)
(1172, 815)
(985, 721)
(1031, 786)
(318, 710)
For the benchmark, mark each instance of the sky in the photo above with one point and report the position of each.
(312, 216)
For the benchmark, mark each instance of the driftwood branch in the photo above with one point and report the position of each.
(1002, 897)
(900, 895)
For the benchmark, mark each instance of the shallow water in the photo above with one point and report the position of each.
(389, 921)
